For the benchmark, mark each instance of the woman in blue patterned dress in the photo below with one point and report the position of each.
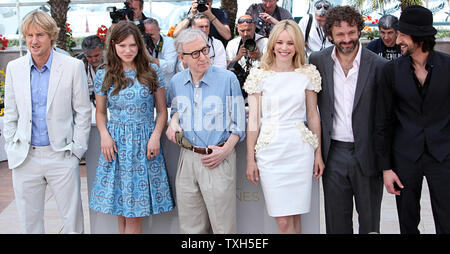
(131, 179)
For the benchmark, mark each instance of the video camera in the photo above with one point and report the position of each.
(121, 14)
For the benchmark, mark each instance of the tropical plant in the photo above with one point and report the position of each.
(379, 4)
(231, 7)
(58, 10)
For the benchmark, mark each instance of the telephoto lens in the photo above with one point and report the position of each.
(250, 45)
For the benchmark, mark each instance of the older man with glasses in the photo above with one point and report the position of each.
(207, 121)
(217, 53)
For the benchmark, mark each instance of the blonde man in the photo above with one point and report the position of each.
(46, 126)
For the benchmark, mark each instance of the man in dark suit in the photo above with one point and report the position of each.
(350, 75)
(413, 123)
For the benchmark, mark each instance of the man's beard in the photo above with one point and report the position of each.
(349, 49)
(407, 52)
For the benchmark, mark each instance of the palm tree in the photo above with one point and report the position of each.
(380, 3)
(58, 10)
(231, 7)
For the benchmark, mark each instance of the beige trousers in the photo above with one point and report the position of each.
(58, 170)
(206, 198)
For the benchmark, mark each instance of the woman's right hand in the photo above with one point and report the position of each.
(108, 147)
(252, 171)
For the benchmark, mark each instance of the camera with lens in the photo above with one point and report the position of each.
(121, 14)
(202, 5)
(240, 73)
(250, 44)
(260, 24)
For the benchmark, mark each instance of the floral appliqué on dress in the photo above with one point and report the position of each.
(307, 135)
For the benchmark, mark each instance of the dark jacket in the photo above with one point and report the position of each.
(406, 122)
(363, 115)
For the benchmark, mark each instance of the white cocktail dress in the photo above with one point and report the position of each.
(285, 146)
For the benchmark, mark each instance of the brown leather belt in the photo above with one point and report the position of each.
(203, 150)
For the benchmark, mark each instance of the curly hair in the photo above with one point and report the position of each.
(342, 13)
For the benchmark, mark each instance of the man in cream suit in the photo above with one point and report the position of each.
(350, 77)
(46, 126)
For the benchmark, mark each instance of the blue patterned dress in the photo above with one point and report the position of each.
(131, 185)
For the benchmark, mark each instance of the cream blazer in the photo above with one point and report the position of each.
(68, 108)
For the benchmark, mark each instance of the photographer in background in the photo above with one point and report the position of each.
(246, 50)
(385, 45)
(312, 27)
(267, 15)
(219, 27)
(132, 11)
(138, 7)
(92, 58)
(162, 49)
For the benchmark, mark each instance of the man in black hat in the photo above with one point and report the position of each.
(413, 122)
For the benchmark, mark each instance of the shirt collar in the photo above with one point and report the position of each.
(357, 59)
(47, 65)
(208, 77)
(429, 65)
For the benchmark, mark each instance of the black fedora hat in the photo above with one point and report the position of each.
(416, 20)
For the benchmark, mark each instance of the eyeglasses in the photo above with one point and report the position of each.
(196, 54)
(325, 6)
(240, 21)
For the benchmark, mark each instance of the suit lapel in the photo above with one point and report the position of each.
(27, 84)
(55, 76)
(329, 66)
(363, 73)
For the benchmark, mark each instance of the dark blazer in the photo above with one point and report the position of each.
(406, 122)
(363, 115)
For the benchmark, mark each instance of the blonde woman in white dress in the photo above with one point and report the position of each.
(281, 150)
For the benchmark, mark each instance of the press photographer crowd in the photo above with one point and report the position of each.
(306, 98)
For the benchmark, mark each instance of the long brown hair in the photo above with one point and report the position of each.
(115, 76)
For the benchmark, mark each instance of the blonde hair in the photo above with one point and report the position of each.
(294, 31)
(43, 20)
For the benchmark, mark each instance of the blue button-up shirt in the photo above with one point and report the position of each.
(39, 81)
(211, 112)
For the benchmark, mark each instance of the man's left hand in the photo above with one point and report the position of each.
(216, 157)
(267, 18)
(255, 55)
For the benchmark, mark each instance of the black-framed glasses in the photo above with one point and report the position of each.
(240, 21)
(196, 54)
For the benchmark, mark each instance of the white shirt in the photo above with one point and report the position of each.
(167, 58)
(233, 47)
(217, 55)
(317, 39)
(344, 94)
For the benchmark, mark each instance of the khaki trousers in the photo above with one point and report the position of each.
(58, 170)
(206, 198)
